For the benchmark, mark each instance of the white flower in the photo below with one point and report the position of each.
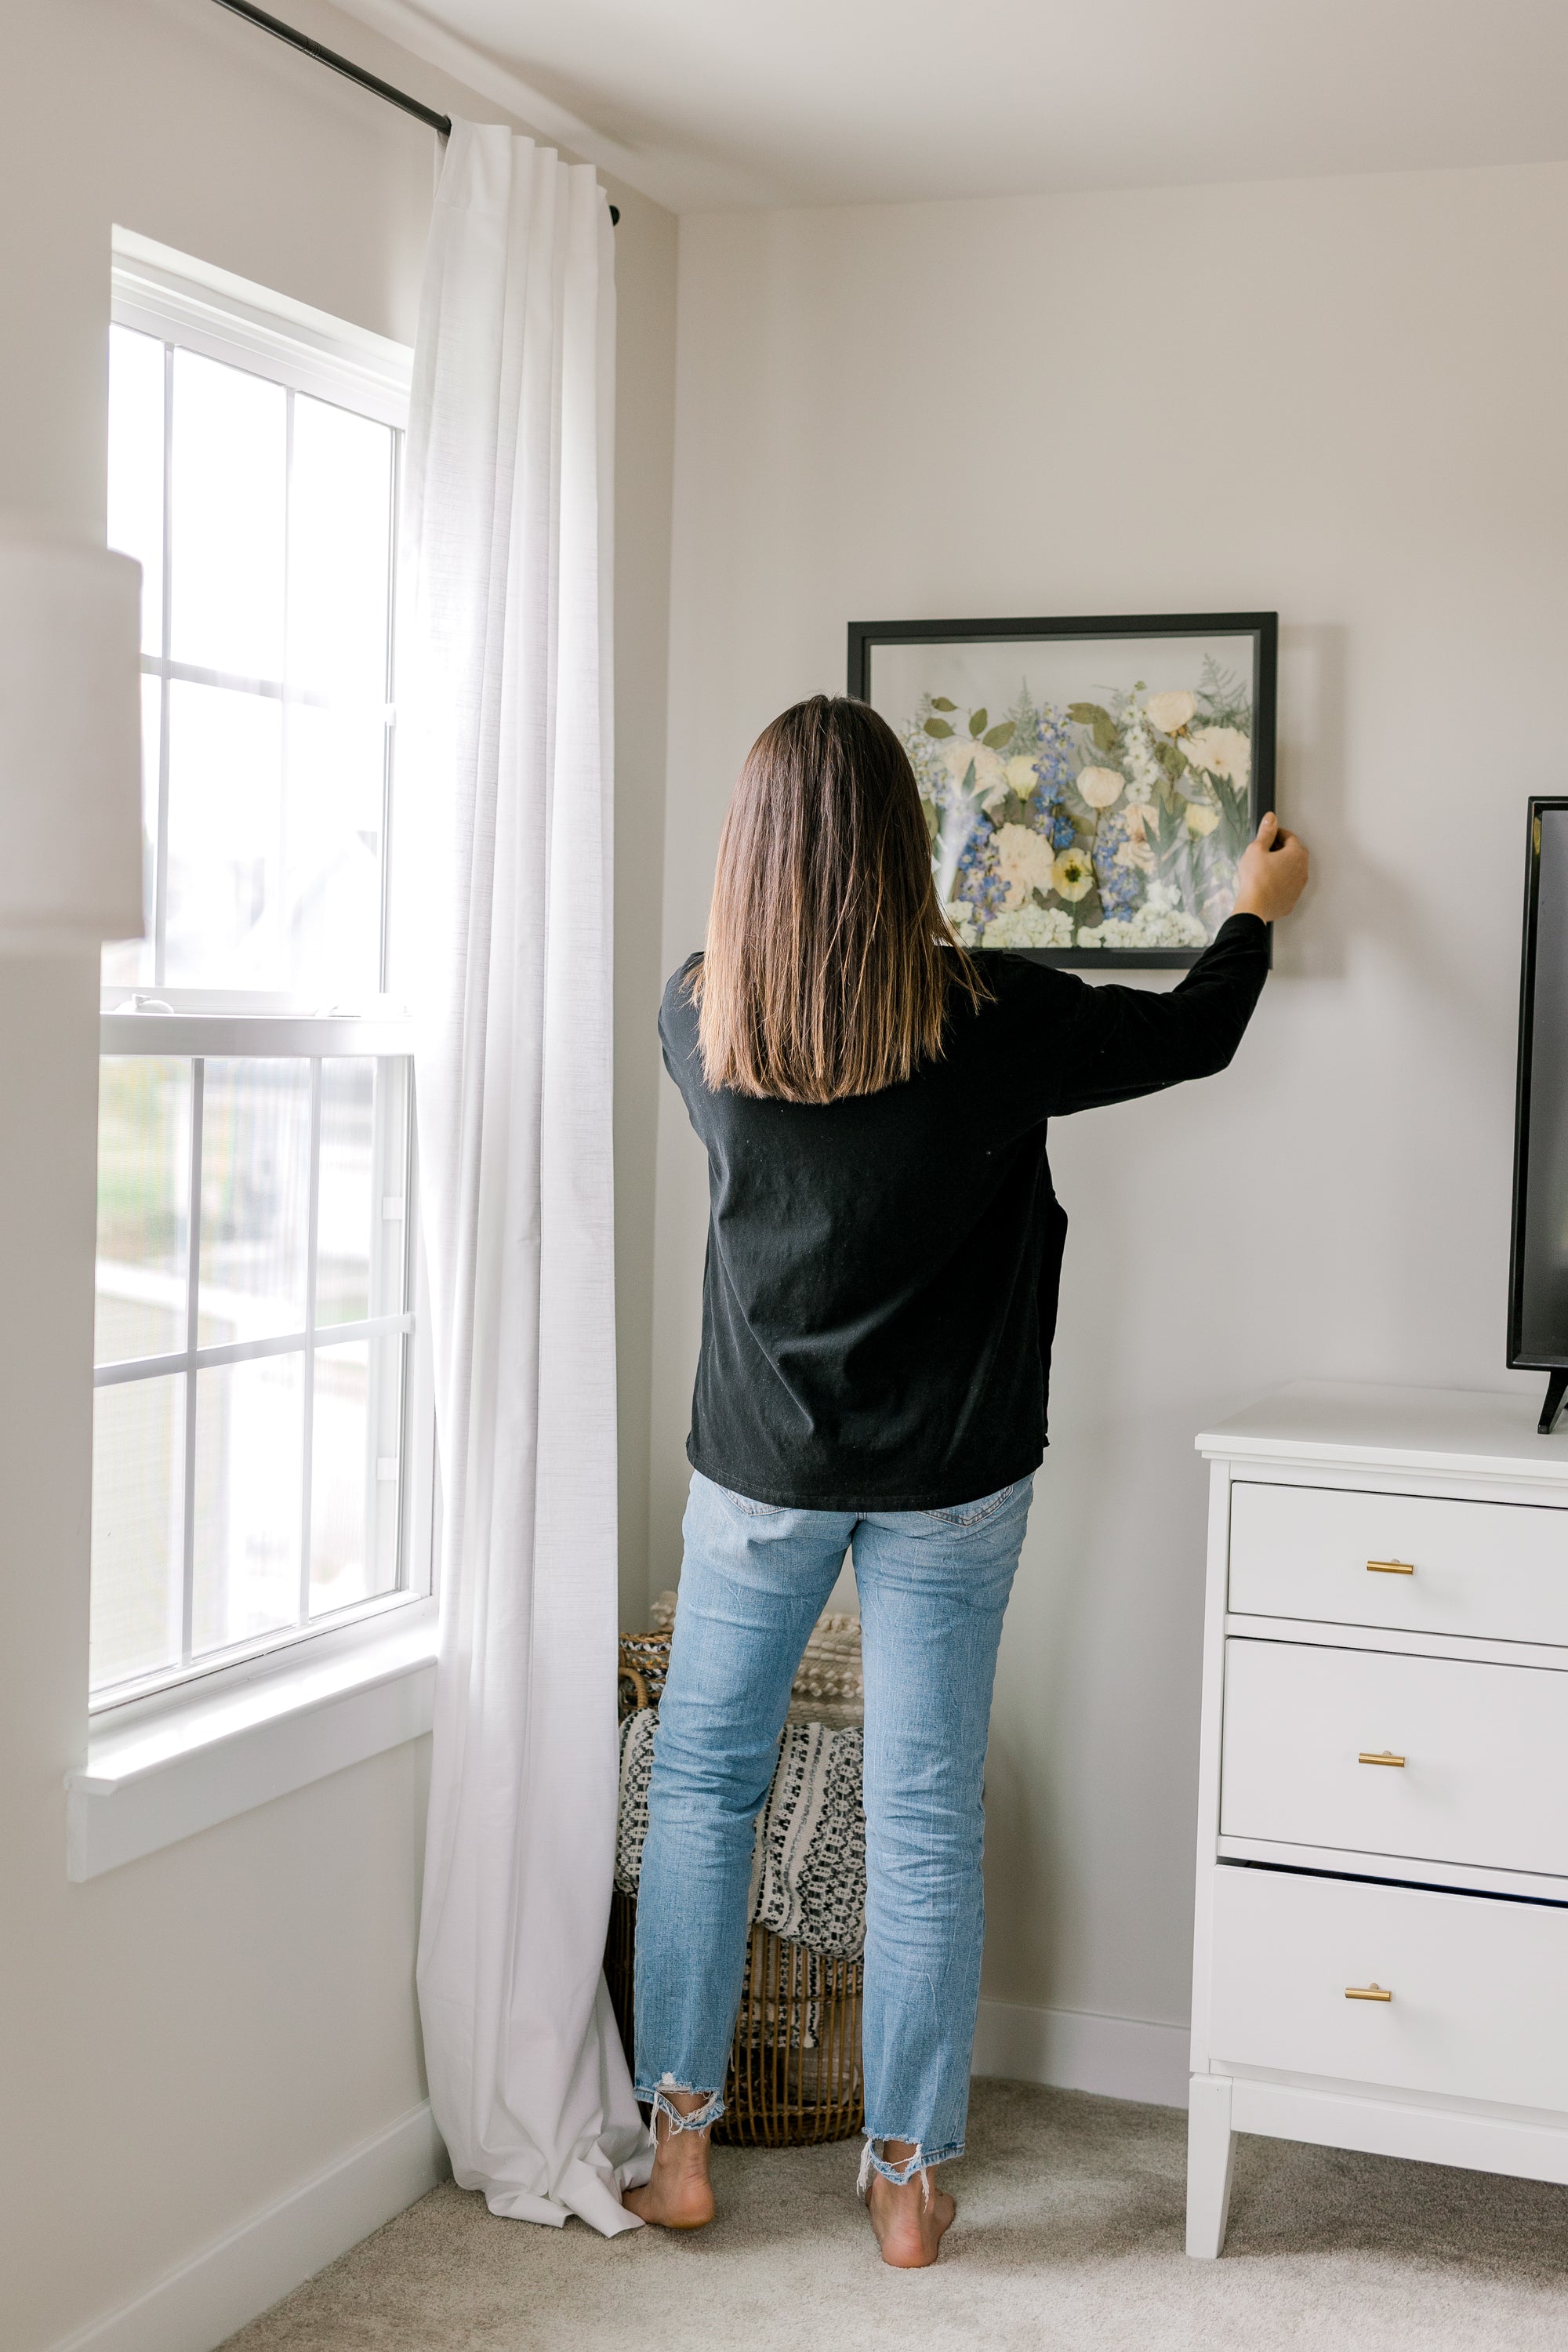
(1030, 927)
(1026, 860)
(1138, 752)
(1101, 786)
(990, 776)
(1072, 875)
(1159, 922)
(1020, 774)
(930, 769)
(1202, 817)
(1223, 751)
(1170, 712)
(960, 921)
(1136, 852)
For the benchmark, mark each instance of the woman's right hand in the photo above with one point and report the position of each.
(1272, 873)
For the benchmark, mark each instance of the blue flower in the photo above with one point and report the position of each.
(977, 877)
(1053, 774)
(1118, 883)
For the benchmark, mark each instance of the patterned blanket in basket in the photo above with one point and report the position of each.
(808, 1865)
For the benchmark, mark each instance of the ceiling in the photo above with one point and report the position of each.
(726, 102)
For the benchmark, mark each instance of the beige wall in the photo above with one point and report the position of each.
(1340, 399)
(185, 2039)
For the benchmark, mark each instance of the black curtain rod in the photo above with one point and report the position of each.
(324, 56)
(440, 123)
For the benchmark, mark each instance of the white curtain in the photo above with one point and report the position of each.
(502, 939)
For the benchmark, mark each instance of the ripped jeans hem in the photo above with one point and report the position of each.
(900, 2174)
(656, 2096)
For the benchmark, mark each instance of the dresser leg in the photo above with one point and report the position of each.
(1210, 2142)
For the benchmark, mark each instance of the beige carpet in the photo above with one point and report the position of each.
(1069, 2234)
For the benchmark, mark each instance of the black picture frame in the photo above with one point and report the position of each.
(1522, 1354)
(1263, 628)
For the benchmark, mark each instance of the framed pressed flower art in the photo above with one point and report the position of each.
(1088, 785)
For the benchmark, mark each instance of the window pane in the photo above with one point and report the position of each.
(143, 1205)
(340, 533)
(355, 1442)
(230, 455)
(130, 964)
(136, 467)
(335, 762)
(265, 892)
(226, 823)
(249, 1458)
(347, 1207)
(359, 1247)
(256, 1141)
(138, 1517)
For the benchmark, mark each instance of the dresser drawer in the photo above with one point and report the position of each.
(1495, 1570)
(1476, 1985)
(1485, 1776)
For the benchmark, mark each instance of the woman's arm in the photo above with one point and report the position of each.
(1124, 1042)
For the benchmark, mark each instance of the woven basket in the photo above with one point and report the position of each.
(645, 1664)
(794, 2076)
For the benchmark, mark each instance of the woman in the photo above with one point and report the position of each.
(877, 1311)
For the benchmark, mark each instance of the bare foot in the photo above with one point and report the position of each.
(909, 2223)
(680, 2194)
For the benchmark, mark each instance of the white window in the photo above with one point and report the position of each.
(262, 1431)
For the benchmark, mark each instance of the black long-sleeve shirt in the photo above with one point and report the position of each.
(880, 1293)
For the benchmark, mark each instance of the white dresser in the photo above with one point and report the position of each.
(1381, 1956)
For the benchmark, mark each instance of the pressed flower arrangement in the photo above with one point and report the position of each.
(1089, 806)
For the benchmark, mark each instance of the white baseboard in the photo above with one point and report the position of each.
(254, 2266)
(1121, 2057)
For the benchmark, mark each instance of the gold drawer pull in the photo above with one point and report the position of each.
(1367, 1992)
(1387, 1757)
(1391, 1567)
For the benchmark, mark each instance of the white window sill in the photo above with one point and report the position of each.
(207, 1757)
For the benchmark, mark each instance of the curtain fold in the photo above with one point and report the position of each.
(502, 937)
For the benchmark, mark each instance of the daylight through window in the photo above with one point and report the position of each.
(256, 1422)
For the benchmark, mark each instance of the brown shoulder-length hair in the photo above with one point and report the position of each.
(829, 961)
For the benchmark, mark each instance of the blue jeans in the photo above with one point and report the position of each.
(933, 1586)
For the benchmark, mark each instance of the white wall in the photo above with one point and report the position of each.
(1343, 400)
(185, 2039)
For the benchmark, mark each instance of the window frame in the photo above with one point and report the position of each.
(159, 292)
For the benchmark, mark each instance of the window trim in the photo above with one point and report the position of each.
(228, 1033)
(191, 1757)
(309, 1672)
(160, 292)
